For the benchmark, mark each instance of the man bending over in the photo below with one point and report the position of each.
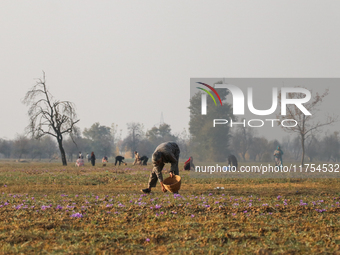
(144, 160)
(119, 159)
(167, 152)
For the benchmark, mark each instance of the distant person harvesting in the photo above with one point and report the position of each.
(119, 159)
(278, 156)
(105, 159)
(144, 160)
(137, 159)
(93, 158)
(80, 161)
(189, 164)
(232, 161)
(167, 152)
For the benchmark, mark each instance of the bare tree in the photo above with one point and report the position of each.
(6, 147)
(258, 147)
(21, 146)
(312, 147)
(330, 146)
(49, 116)
(242, 140)
(134, 137)
(305, 123)
(183, 141)
(101, 139)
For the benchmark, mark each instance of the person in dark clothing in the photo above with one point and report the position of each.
(93, 158)
(232, 161)
(144, 160)
(119, 159)
(167, 152)
(189, 164)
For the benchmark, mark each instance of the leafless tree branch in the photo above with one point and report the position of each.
(48, 116)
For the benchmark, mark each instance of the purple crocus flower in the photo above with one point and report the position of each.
(77, 215)
(44, 207)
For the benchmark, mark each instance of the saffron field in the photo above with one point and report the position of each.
(48, 208)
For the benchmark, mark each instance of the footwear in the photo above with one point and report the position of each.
(145, 190)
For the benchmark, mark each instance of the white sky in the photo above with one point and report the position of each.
(124, 61)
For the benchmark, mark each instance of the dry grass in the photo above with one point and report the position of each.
(249, 216)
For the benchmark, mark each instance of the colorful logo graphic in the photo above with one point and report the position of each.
(208, 92)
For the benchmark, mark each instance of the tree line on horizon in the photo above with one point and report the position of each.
(107, 141)
(53, 127)
(102, 140)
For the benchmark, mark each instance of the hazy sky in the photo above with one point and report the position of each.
(124, 61)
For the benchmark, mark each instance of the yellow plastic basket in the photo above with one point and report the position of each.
(172, 184)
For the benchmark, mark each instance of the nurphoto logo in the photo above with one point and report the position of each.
(239, 104)
(238, 99)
